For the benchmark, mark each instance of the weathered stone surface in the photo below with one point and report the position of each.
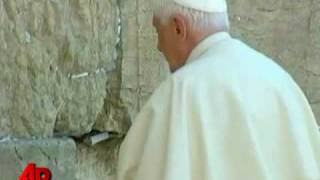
(56, 154)
(143, 67)
(313, 56)
(114, 116)
(53, 58)
(287, 31)
(98, 162)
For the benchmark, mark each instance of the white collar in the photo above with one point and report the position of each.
(206, 44)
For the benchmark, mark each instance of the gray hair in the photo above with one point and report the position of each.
(165, 9)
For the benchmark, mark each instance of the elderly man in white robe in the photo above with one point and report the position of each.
(227, 112)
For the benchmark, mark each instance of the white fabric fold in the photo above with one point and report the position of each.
(229, 114)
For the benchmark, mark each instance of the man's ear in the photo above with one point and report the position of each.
(180, 25)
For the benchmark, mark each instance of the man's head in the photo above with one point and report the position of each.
(181, 27)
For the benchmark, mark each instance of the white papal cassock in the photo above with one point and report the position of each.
(230, 113)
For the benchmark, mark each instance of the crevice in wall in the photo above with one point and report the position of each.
(114, 116)
(18, 154)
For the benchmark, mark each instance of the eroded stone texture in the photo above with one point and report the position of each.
(114, 116)
(313, 59)
(143, 67)
(56, 154)
(54, 59)
(98, 162)
(287, 31)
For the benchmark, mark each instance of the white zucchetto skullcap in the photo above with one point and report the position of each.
(211, 6)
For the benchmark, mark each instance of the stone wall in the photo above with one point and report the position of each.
(57, 154)
(60, 75)
(69, 68)
(55, 57)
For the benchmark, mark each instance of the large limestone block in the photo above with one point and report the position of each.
(313, 58)
(55, 56)
(287, 31)
(59, 155)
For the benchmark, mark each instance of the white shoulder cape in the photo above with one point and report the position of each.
(229, 114)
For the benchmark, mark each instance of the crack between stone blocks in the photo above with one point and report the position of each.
(18, 154)
(139, 61)
(310, 17)
(309, 20)
(55, 161)
(115, 89)
(118, 59)
(118, 47)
